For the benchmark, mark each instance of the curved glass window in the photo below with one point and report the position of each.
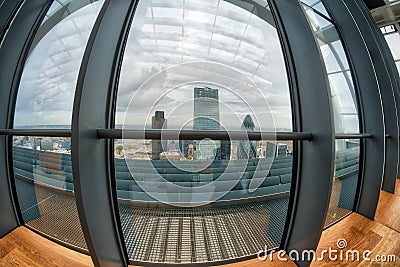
(202, 67)
(46, 91)
(393, 41)
(42, 165)
(345, 113)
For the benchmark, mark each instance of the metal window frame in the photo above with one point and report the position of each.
(359, 105)
(394, 76)
(388, 89)
(310, 194)
(13, 55)
(9, 10)
(95, 188)
(371, 111)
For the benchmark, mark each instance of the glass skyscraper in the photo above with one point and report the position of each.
(206, 117)
(247, 149)
(206, 109)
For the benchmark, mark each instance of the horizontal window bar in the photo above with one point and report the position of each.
(183, 134)
(353, 136)
(37, 132)
(200, 134)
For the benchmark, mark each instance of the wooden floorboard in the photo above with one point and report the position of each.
(388, 210)
(22, 247)
(268, 262)
(362, 234)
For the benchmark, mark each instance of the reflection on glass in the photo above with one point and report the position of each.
(345, 180)
(345, 114)
(204, 66)
(42, 165)
(48, 82)
(344, 101)
(174, 48)
(44, 183)
(316, 5)
(393, 41)
(206, 231)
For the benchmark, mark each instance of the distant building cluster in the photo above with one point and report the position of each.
(57, 144)
(206, 117)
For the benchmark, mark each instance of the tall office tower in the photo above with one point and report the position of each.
(206, 109)
(158, 122)
(206, 117)
(247, 149)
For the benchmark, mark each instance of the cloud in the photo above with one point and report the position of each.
(238, 52)
(48, 82)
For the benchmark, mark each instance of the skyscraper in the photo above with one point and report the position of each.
(206, 117)
(247, 149)
(158, 122)
(206, 109)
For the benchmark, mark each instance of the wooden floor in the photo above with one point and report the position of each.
(388, 210)
(360, 234)
(23, 247)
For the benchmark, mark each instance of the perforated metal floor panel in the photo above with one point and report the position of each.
(165, 235)
(51, 212)
(202, 235)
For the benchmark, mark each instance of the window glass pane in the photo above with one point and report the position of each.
(345, 114)
(345, 180)
(340, 80)
(393, 41)
(320, 26)
(202, 66)
(316, 5)
(42, 165)
(158, 233)
(45, 189)
(47, 87)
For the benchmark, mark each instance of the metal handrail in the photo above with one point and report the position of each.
(159, 134)
(37, 132)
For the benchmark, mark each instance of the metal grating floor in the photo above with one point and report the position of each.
(50, 212)
(203, 234)
(165, 235)
(335, 213)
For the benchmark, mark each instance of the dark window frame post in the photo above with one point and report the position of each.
(14, 47)
(366, 86)
(311, 191)
(93, 174)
